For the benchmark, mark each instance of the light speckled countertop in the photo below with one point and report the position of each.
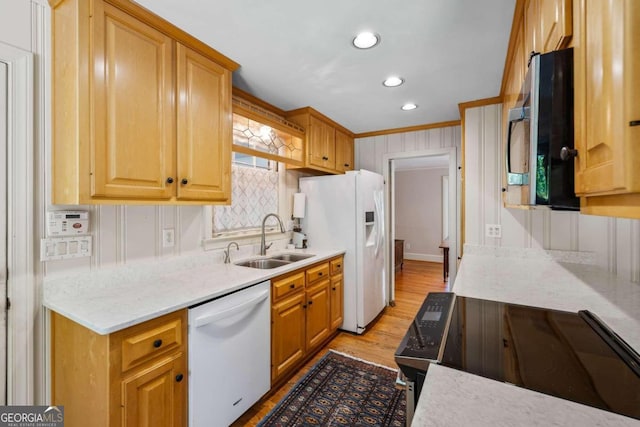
(558, 280)
(114, 298)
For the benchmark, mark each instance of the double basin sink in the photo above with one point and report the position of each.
(273, 261)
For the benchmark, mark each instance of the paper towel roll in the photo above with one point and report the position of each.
(299, 200)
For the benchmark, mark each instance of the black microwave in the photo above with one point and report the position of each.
(540, 148)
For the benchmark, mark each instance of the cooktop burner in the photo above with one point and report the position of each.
(568, 355)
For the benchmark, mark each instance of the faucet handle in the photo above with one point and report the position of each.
(267, 246)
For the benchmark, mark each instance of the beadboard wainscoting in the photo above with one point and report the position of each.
(370, 151)
(125, 234)
(615, 241)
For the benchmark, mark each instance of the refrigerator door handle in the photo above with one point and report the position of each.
(379, 221)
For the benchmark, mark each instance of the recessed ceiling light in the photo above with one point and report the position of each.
(393, 81)
(409, 106)
(366, 40)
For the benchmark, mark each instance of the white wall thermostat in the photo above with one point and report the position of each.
(67, 223)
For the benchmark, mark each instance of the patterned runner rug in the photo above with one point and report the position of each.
(342, 391)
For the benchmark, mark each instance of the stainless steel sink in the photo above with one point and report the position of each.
(273, 261)
(291, 257)
(263, 263)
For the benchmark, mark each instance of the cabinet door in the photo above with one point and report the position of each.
(132, 151)
(321, 144)
(531, 28)
(337, 298)
(555, 25)
(318, 314)
(287, 334)
(156, 396)
(607, 85)
(204, 128)
(344, 152)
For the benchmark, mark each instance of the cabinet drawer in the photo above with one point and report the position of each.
(288, 285)
(336, 266)
(318, 272)
(149, 340)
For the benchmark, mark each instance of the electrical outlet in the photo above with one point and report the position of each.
(493, 230)
(408, 245)
(168, 238)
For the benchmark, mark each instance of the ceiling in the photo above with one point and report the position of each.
(296, 53)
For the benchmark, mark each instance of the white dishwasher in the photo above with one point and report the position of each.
(229, 355)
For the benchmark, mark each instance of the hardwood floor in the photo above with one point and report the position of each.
(379, 342)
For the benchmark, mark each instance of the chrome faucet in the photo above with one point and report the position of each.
(263, 247)
(227, 259)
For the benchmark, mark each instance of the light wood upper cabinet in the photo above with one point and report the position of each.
(556, 24)
(328, 146)
(607, 109)
(321, 150)
(204, 127)
(141, 110)
(344, 151)
(512, 195)
(547, 25)
(605, 36)
(132, 148)
(531, 29)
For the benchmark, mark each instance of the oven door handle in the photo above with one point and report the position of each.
(516, 115)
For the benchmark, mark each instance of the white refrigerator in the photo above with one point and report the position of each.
(347, 211)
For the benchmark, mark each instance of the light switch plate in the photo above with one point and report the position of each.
(54, 248)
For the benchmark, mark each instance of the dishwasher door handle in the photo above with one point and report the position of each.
(210, 318)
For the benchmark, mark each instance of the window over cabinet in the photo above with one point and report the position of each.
(253, 137)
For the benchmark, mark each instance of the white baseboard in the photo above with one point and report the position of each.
(423, 257)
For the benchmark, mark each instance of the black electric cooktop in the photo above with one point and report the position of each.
(573, 356)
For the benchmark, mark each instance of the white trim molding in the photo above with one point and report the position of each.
(424, 257)
(20, 225)
(388, 168)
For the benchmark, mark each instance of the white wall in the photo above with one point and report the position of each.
(615, 241)
(418, 207)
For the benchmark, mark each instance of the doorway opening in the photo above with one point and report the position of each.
(431, 206)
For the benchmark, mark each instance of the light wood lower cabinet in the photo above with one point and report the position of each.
(306, 310)
(318, 320)
(151, 397)
(337, 301)
(337, 292)
(287, 334)
(133, 377)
